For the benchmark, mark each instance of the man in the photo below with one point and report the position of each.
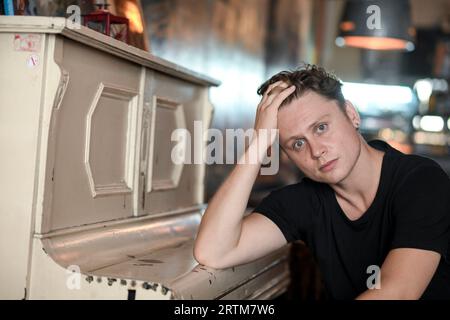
(362, 207)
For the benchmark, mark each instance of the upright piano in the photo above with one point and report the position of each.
(92, 207)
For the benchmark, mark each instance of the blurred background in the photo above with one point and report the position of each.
(398, 82)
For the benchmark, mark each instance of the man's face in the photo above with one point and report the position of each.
(314, 131)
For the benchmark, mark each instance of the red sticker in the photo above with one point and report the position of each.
(27, 42)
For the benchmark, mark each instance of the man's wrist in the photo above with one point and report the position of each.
(257, 150)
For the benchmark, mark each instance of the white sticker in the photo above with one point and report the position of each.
(33, 61)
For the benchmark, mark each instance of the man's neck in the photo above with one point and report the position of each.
(357, 191)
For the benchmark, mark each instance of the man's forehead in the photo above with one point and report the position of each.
(307, 122)
(309, 98)
(306, 110)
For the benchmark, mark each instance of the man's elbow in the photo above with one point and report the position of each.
(208, 260)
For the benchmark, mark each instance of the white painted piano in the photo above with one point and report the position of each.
(91, 205)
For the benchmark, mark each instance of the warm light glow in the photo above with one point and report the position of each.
(436, 139)
(134, 16)
(378, 43)
(394, 135)
(402, 147)
(347, 26)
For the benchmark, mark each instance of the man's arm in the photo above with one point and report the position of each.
(405, 274)
(225, 238)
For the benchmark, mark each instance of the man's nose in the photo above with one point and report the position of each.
(317, 149)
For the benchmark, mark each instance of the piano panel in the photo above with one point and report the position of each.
(172, 104)
(95, 132)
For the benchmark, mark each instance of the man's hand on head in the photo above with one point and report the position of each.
(267, 111)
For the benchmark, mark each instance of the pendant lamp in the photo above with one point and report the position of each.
(377, 25)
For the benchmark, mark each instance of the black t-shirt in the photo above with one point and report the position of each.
(411, 209)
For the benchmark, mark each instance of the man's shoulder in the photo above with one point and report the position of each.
(415, 171)
(401, 164)
(410, 162)
(402, 169)
(413, 164)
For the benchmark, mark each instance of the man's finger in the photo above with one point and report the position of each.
(274, 92)
(279, 98)
(269, 89)
(267, 93)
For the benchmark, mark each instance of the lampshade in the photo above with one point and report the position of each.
(377, 25)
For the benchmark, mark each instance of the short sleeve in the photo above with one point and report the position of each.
(288, 208)
(422, 211)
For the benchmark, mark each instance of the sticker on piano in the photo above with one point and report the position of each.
(27, 42)
(33, 61)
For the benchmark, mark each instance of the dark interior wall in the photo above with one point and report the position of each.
(283, 36)
(223, 39)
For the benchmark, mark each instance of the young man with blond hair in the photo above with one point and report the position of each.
(361, 206)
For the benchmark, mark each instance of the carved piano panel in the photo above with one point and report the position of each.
(94, 131)
(172, 104)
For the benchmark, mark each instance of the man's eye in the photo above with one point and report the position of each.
(322, 127)
(297, 144)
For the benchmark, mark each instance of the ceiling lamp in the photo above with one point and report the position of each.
(376, 25)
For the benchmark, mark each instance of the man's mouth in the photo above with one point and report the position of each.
(328, 166)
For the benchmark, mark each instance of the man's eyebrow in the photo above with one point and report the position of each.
(312, 125)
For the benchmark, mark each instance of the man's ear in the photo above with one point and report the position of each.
(352, 114)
